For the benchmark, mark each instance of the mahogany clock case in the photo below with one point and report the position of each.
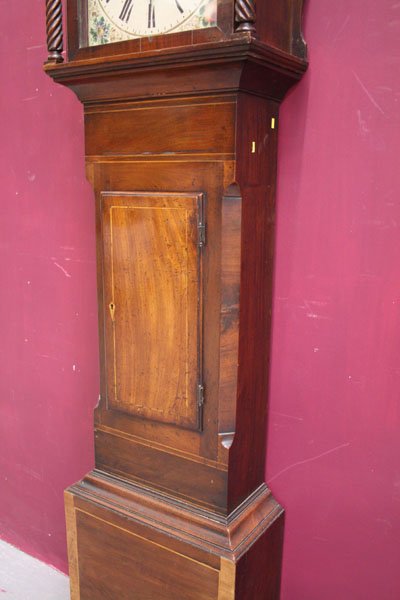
(181, 147)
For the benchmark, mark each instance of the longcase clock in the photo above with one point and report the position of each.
(181, 101)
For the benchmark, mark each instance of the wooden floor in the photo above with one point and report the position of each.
(25, 578)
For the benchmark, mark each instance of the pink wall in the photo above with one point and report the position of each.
(333, 435)
(48, 357)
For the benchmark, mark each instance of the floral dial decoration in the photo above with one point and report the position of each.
(118, 20)
(100, 31)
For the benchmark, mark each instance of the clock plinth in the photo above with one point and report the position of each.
(126, 541)
(181, 146)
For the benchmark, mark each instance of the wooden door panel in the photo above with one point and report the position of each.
(152, 295)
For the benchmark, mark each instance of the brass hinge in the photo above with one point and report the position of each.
(200, 404)
(201, 221)
(201, 235)
(200, 394)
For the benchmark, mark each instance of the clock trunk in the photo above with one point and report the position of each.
(181, 148)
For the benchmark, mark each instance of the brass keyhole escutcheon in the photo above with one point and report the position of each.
(111, 306)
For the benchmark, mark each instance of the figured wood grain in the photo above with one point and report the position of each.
(191, 456)
(203, 127)
(148, 570)
(152, 292)
(211, 177)
(152, 529)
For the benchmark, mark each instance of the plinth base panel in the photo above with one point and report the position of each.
(126, 542)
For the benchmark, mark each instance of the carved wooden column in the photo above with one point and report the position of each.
(54, 28)
(245, 15)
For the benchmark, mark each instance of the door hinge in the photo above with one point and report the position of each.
(200, 404)
(200, 394)
(201, 235)
(201, 221)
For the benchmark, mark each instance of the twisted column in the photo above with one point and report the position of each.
(245, 15)
(54, 30)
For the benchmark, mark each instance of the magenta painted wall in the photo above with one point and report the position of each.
(48, 357)
(334, 443)
(334, 433)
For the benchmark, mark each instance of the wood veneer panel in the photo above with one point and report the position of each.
(153, 529)
(201, 127)
(152, 279)
(176, 475)
(146, 570)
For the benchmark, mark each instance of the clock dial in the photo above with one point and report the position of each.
(117, 20)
